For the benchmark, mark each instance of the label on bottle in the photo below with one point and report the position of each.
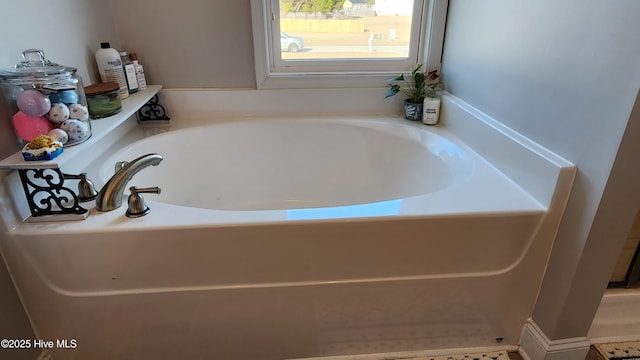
(116, 75)
(142, 81)
(132, 79)
(431, 108)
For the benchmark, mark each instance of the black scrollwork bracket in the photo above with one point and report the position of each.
(47, 195)
(153, 111)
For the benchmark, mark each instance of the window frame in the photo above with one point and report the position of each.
(271, 74)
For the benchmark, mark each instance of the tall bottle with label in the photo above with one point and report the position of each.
(110, 67)
(142, 81)
(129, 72)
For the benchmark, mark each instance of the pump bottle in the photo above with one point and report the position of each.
(110, 67)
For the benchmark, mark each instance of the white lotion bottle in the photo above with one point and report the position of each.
(431, 110)
(110, 68)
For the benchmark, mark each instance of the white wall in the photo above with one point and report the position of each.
(69, 32)
(565, 74)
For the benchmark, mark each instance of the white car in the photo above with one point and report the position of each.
(291, 43)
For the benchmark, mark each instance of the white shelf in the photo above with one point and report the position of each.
(99, 128)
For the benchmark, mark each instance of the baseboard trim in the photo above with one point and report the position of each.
(535, 345)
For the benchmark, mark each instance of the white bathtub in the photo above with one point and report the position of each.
(293, 238)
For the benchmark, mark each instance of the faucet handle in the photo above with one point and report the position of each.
(137, 207)
(86, 189)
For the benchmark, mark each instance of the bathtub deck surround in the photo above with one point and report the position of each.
(354, 270)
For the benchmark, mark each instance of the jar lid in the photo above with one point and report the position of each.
(35, 65)
(101, 88)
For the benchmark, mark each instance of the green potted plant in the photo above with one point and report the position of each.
(416, 87)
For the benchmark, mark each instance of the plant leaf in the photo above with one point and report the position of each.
(416, 70)
(393, 90)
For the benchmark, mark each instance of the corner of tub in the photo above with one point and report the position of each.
(545, 175)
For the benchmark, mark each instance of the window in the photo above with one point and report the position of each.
(344, 43)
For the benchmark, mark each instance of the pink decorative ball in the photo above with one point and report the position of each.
(28, 127)
(33, 103)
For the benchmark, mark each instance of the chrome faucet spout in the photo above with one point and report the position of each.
(110, 196)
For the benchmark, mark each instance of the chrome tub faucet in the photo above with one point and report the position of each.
(110, 196)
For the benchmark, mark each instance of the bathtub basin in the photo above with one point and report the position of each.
(279, 164)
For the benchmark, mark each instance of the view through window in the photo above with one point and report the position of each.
(345, 29)
(344, 43)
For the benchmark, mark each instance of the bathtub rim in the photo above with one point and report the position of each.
(117, 222)
(510, 197)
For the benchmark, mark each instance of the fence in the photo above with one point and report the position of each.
(321, 25)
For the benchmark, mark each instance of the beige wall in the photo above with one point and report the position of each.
(566, 75)
(69, 32)
(189, 43)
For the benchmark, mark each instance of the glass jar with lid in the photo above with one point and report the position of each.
(45, 98)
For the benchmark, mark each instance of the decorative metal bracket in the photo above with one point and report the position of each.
(46, 196)
(153, 111)
(152, 118)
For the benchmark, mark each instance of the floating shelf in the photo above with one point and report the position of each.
(99, 129)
